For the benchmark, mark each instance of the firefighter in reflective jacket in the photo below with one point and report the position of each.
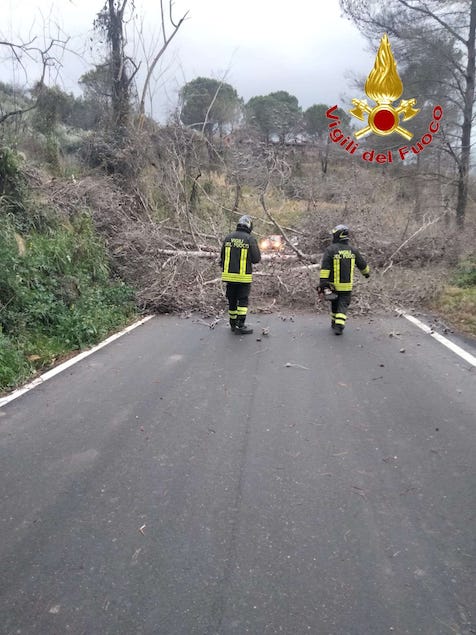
(238, 253)
(337, 274)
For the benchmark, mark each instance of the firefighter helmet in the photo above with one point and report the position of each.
(340, 233)
(246, 224)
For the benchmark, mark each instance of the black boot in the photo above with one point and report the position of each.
(241, 329)
(232, 324)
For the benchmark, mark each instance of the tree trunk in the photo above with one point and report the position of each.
(236, 204)
(120, 83)
(324, 154)
(464, 164)
(417, 206)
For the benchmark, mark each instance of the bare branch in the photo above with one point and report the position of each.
(33, 53)
(166, 43)
(212, 102)
(430, 14)
(297, 251)
(418, 231)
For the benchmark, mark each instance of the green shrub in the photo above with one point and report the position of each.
(97, 312)
(63, 278)
(56, 295)
(465, 274)
(12, 183)
(52, 153)
(14, 367)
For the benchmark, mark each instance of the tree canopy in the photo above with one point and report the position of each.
(316, 123)
(277, 113)
(208, 104)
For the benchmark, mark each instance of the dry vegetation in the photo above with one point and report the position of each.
(164, 212)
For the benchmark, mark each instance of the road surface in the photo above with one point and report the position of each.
(187, 481)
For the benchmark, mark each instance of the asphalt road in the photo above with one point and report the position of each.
(184, 480)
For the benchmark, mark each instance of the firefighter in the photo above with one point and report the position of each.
(337, 274)
(239, 253)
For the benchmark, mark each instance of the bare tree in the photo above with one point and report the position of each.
(448, 33)
(31, 52)
(166, 41)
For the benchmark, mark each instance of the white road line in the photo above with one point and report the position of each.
(471, 359)
(74, 360)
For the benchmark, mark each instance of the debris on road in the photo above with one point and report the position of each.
(290, 365)
(141, 529)
(214, 323)
(211, 325)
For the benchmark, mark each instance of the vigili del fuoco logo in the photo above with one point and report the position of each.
(384, 87)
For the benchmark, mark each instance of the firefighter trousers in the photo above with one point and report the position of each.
(237, 294)
(339, 308)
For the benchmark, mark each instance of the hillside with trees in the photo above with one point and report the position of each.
(106, 214)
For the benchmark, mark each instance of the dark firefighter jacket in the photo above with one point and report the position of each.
(338, 265)
(238, 253)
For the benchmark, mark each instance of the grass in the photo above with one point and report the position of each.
(458, 306)
(457, 302)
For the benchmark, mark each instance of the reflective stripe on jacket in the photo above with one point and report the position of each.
(338, 265)
(238, 253)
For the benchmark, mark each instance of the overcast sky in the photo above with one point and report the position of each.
(258, 46)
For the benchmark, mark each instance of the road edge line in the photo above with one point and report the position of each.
(70, 362)
(471, 359)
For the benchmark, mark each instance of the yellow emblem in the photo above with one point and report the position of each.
(384, 86)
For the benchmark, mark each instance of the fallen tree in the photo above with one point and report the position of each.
(188, 253)
(170, 274)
